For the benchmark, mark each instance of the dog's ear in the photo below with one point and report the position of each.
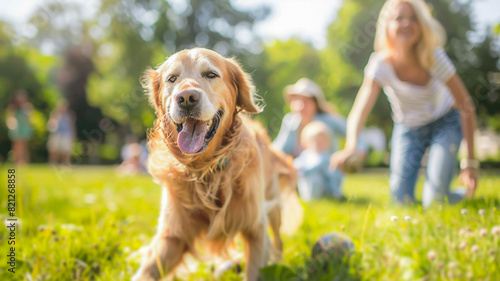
(151, 81)
(247, 96)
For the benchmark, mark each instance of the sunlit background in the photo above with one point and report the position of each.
(92, 54)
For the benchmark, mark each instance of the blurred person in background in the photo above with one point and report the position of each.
(19, 126)
(62, 130)
(134, 156)
(315, 179)
(307, 104)
(430, 105)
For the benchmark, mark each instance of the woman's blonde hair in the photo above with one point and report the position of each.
(433, 33)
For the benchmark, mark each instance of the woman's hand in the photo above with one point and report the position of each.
(469, 178)
(338, 159)
(464, 103)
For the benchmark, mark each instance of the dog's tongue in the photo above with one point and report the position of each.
(191, 138)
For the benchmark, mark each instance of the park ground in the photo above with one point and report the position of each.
(88, 223)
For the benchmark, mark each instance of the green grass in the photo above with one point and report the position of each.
(86, 223)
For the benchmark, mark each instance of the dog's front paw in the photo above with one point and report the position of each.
(146, 271)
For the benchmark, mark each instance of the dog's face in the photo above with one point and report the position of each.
(196, 92)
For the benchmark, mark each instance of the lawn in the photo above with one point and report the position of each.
(87, 223)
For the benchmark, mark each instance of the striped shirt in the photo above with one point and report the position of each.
(411, 104)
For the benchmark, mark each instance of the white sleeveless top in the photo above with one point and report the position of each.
(411, 104)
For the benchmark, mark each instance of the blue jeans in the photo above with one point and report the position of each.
(442, 137)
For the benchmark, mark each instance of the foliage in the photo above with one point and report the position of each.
(283, 64)
(88, 223)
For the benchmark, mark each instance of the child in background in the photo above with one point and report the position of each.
(62, 130)
(316, 180)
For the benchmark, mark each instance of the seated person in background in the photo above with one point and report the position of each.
(308, 104)
(316, 180)
(133, 155)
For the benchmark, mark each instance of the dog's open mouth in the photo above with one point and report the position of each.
(195, 135)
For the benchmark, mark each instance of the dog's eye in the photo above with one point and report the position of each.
(210, 75)
(172, 79)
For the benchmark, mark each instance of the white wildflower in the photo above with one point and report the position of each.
(462, 245)
(474, 249)
(495, 230)
(431, 255)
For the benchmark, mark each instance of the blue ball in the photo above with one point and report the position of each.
(333, 244)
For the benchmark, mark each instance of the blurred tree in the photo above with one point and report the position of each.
(72, 80)
(56, 26)
(283, 64)
(350, 43)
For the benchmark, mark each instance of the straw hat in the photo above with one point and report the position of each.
(307, 88)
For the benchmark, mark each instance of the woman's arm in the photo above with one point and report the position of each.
(467, 111)
(468, 114)
(362, 106)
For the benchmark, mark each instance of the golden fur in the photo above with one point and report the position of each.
(232, 186)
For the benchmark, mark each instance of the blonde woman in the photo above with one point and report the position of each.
(430, 105)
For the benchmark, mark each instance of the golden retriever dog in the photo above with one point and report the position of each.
(219, 173)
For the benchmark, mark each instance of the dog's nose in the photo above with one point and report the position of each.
(187, 99)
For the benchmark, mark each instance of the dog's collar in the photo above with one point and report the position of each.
(222, 164)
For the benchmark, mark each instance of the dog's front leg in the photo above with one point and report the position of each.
(163, 255)
(169, 244)
(257, 245)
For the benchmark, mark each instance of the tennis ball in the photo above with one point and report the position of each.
(353, 164)
(333, 244)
